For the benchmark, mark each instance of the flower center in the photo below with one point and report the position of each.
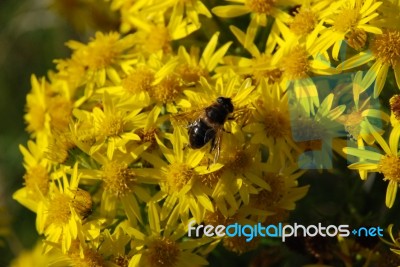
(296, 63)
(118, 178)
(346, 20)
(179, 175)
(138, 81)
(191, 74)
(386, 47)
(112, 125)
(303, 22)
(102, 51)
(212, 178)
(276, 124)
(167, 90)
(395, 106)
(390, 167)
(59, 211)
(163, 253)
(60, 110)
(265, 199)
(35, 178)
(261, 6)
(91, 258)
(239, 161)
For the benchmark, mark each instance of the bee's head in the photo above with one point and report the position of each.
(226, 102)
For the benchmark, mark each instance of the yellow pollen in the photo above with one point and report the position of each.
(390, 167)
(118, 178)
(163, 252)
(112, 125)
(303, 22)
(191, 74)
(395, 106)
(265, 199)
(58, 149)
(179, 175)
(296, 63)
(35, 178)
(276, 124)
(346, 20)
(102, 51)
(138, 81)
(239, 161)
(386, 47)
(261, 6)
(215, 218)
(356, 38)
(212, 178)
(148, 135)
(167, 90)
(59, 211)
(91, 258)
(239, 245)
(158, 39)
(121, 260)
(60, 110)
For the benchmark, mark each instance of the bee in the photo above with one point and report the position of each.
(207, 127)
(82, 203)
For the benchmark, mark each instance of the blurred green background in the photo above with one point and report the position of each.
(31, 37)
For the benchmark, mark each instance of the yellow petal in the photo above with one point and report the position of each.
(230, 11)
(391, 194)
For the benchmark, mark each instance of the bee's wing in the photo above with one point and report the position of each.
(186, 118)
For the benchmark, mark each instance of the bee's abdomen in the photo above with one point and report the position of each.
(200, 133)
(216, 114)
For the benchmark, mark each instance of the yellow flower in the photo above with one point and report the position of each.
(270, 125)
(385, 50)
(101, 56)
(123, 182)
(36, 117)
(112, 126)
(163, 243)
(388, 163)
(314, 133)
(283, 193)
(36, 177)
(192, 66)
(262, 64)
(58, 217)
(355, 120)
(349, 18)
(35, 257)
(181, 184)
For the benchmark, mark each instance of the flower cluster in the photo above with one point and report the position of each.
(110, 171)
